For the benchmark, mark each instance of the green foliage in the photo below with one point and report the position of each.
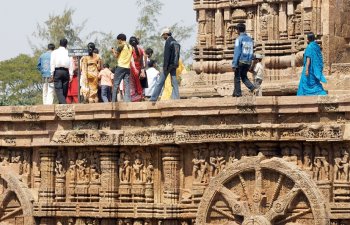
(104, 42)
(148, 30)
(58, 27)
(20, 82)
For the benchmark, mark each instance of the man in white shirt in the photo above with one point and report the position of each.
(61, 70)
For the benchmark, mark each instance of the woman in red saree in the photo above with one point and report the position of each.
(136, 69)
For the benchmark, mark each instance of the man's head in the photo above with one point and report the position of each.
(258, 57)
(51, 47)
(149, 52)
(166, 32)
(121, 38)
(64, 43)
(310, 37)
(239, 28)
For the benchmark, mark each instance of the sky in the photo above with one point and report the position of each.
(19, 19)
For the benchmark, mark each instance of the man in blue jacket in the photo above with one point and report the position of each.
(242, 59)
(170, 65)
(44, 68)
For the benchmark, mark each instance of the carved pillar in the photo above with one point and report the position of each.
(219, 37)
(109, 175)
(283, 21)
(47, 185)
(46, 221)
(171, 167)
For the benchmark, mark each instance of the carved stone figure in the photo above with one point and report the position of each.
(59, 170)
(341, 167)
(125, 170)
(149, 172)
(81, 166)
(196, 165)
(138, 167)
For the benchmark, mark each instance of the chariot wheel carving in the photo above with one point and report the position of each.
(15, 200)
(259, 191)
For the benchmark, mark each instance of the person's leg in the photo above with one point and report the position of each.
(45, 91)
(126, 75)
(118, 77)
(109, 93)
(69, 100)
(158, 86)
(244, 77)
(50, 93)
(65, 84)
(237, 83)
(257, 84)
(59, 86)
(104, 93)
(175, 92)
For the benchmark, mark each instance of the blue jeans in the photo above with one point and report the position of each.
(120, 74)
(241, 73)
(106, 93)
(160, 83)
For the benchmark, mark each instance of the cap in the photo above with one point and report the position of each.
(165, 31)
(258, 56)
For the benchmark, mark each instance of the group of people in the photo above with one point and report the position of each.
(135, 78)
(245, 60)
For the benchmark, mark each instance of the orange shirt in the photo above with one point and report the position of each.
(106, 77)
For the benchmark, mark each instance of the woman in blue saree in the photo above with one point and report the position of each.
(312, 75)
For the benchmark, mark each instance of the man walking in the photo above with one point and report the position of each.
(170, 64)
(61, 70)
(122, 72)
(44, 68)
(242, 59)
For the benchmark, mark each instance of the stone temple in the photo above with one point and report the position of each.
(205, 161)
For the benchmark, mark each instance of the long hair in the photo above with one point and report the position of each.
(134, 43)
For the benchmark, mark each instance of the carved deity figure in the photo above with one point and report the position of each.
(120, 222)
(196, 165)
(138, 167)
(125, 169)
(203, 178)
(221, 160)
(321, 165)
(149, 172)
(82, 175)
(213, 163)
(138, 222)
(26, 162)
(341, 167)
(59, 170)
(5, 156)
(295, 153)
(307, 164)
(94, 169)
(232, 156)
(71, 173)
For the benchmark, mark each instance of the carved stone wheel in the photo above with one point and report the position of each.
(259, 191)
(15, 200)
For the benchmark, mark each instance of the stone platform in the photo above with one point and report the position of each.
(272, 160)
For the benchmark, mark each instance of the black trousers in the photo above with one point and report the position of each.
(61, 81)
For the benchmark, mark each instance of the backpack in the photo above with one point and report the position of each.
(175, 57)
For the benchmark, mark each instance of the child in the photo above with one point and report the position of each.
(106, 77)
(258, 73)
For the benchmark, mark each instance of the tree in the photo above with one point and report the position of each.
(149, 34)
(58, 27)
(20, 82)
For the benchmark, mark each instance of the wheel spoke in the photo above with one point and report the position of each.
(293, 217)
(238, 207)
(277, 190)
(245, 191)
(8, 215)
(222, 212)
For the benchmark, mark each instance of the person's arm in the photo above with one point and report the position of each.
(237, 53)
(38, 66)
(117, 52)
(307, 66)
(167, 55)
(52, 63)
(71, 68)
